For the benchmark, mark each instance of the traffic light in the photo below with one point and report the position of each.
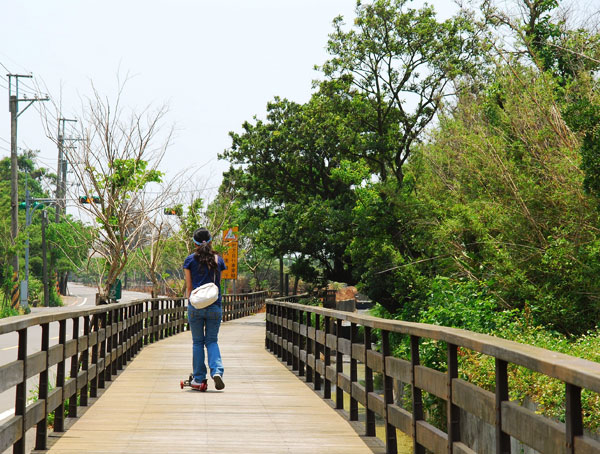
(32, 205)
(86, 199)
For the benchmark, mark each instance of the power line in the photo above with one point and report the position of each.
(2, 64)
(14, 63)
(31, 89)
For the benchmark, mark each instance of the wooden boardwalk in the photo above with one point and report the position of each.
(264, 408)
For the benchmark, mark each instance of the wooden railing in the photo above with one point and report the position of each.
(242, 304)
(327, 297)
(314, 341)
(112, 336)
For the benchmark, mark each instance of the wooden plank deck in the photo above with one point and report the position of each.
(264, 408)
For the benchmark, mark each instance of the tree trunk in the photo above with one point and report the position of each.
(63, 279)
(155, 287)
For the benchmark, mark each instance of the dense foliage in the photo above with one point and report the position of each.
(66, 241)
(427, 151)
(450, 169)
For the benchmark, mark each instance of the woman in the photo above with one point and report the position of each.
(202, 267)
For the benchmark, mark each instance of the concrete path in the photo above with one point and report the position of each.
(264, 407)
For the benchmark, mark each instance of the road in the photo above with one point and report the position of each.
(80, 296)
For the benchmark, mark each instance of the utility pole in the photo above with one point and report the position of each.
(61, 170)
(25, 289)
(13, 107)
(44, 259)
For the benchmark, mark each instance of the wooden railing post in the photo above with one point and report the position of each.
(289, 314)
(121, 345)
(172, 317)
(279, 319)
(339, 367)
(369, 414)
(168, 315)
(161, 325)
(309, 348)
(417, 395)
(453, 412)
(574, 420)
(281, 333)
(114, 353)
(83, 392)
(318, 350)
(502, 439)
(146, 321)
(41, 432)
(74, 369)
(137, 327)
(388, 395)
(295, 341)
(95, 349)
(127, 331)
(102, 350)
(353, 372)
(59, 413)
(180, 314)
(108, 351)
(267, 329)
(327, 353)
(21, 391)
(301, 343)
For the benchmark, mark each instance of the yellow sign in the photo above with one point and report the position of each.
(230, 241)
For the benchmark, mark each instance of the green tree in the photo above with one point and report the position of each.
(283, 175)
(395, 66)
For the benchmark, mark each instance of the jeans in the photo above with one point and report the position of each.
(205, 325)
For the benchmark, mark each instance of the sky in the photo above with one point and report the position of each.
(215, 64)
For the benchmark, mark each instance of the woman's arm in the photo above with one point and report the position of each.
(188, 282)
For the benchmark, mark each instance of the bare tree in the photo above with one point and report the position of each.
(116, 163)
(158, 231)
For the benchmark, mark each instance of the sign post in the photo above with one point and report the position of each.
(230, 241)
(114, 293)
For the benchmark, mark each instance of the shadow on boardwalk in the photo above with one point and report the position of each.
(264, 408)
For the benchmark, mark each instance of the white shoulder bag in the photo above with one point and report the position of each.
(206, 294)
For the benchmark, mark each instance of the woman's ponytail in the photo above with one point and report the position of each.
(204, 252)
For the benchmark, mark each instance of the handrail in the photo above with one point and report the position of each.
(18, 322)
(313, 341)
(112, 335)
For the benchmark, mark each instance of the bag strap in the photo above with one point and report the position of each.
(217, 262)
(215, 273)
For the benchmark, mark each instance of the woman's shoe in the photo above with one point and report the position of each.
(199, 386)
(218, 382)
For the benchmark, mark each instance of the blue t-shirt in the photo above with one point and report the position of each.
(202, 275)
